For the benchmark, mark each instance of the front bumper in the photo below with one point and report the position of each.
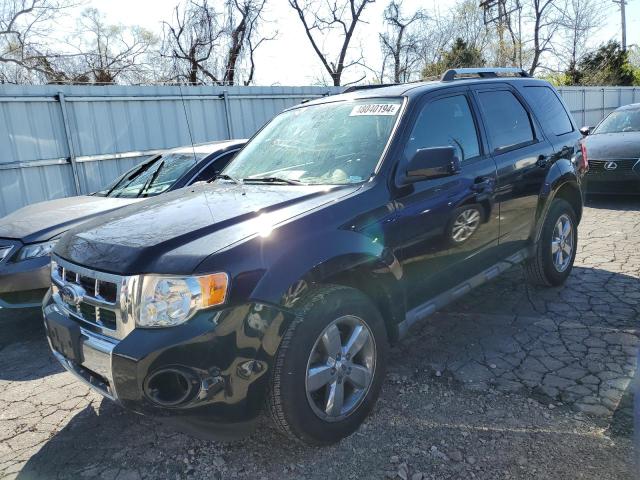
(24, 284)
(613, 186)
(226, 355)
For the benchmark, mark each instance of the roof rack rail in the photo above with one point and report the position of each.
(355, 88)
(491, 72)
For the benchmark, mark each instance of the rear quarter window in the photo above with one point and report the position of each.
(506, 120)
(547, 107)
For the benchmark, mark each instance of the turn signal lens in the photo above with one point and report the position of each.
(169, 301)
(214, 289)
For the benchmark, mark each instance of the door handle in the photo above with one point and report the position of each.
(480, 184)
(542, 161)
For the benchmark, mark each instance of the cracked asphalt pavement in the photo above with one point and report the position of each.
(509, 382)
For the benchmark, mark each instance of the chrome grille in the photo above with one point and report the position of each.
(99, 301)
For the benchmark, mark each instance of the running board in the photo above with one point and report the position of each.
(430, 307)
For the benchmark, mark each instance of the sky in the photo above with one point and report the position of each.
(290, 59)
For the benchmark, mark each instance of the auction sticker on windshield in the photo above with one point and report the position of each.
(375, 109)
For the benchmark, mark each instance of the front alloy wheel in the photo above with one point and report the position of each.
(340, 368)
(330, 365)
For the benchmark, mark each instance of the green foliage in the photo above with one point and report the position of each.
(608, 65)
(557, 79)
(460, 55)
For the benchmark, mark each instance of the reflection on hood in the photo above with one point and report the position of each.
(188, 225)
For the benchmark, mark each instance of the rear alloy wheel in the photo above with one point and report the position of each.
(562, 243)
(330, 366)
(556, 248)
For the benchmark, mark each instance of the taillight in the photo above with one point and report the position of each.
(584, 162)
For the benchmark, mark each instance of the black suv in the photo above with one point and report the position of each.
(340, 224)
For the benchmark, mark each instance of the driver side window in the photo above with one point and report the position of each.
(445, 122)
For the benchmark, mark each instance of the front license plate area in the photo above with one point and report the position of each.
(64, 335)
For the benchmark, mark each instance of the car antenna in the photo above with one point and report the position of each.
(184, 107)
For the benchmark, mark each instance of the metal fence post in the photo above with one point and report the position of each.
(619, 97)
(602, 108)
(67, 133)
(227, 114)
(584, 106)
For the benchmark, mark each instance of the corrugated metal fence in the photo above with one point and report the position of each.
(57, 141)
(589, 105)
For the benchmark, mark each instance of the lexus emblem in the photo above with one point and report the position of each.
(72, 294)
(610, 166)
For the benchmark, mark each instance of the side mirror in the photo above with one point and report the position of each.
(435, 162)
(585, 131)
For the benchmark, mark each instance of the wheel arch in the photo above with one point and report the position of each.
(562, 182)
(349, 259)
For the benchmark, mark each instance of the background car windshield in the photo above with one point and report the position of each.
(154, 177)
(334, 143)
(621, 121)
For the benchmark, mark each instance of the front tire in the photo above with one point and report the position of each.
(330, 366)
(556, 249)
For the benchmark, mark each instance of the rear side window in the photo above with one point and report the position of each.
(549, 110)
(445, 122)
(506, 120)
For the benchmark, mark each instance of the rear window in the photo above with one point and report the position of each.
(549, 110)
(507, 121)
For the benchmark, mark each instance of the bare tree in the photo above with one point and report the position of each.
(24, 29)
(546, 18)
(436, 37)
(108, 52)
(324, 20)
(210, 45)
(582, 18)
(401, 43)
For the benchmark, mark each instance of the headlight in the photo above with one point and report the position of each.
(36, 250)
(170, 301)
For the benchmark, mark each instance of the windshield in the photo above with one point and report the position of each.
(333, 143)
(620, 121)
(152, 178)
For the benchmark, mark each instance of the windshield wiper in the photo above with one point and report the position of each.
(152, 179)
(224, 176)
(131, 176)
(273, 180)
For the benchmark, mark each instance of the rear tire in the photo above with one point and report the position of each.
(322, 390)
(556, 249)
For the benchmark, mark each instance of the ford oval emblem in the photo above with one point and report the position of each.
(610, 166)
(72, 294)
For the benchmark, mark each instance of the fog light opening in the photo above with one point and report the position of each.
(169, 387)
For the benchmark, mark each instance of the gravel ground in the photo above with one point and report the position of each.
(510, 382)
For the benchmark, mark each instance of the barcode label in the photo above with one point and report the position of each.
(375, 109)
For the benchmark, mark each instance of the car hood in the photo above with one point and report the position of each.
(605, 146)
(175, 233)
(41, 221)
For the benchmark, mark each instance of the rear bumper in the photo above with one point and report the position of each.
(225, 355)
(24, 284)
